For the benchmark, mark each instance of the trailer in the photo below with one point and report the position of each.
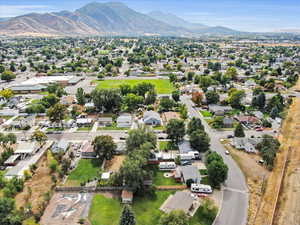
(201, 188)
(189, 156)
(167, 166)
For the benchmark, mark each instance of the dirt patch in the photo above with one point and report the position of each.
(36, 188)
(115, 164)
(256, 176)
(288, 207)
(285, 213)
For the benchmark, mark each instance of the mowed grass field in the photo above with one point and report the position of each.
(162, 86)
(107, 211)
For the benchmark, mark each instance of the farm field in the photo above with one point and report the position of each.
(162, 86)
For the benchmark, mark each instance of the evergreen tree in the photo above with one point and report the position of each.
(127, 217)
(239, 131)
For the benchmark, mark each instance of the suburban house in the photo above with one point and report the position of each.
(248, 120)
(228, 122)
(23, 123)
(152, 118)
(124, 120)
(61, 146)
(87, 151)
(105, 121)
(246, 144)
(26, 149)
(67, 100)
(219, 110)
(181, 200)
(185, 173)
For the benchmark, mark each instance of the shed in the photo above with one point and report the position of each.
(127, 197)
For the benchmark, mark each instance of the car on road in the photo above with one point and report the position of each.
(229, 136)
(227, 152)
(186, 163)
(259, 129)
(122, 138)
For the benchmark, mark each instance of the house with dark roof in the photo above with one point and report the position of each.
(185, 173)
(24, 89)
(152, 118)
(219, 110)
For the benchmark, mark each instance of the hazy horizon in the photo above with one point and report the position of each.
(249, 15)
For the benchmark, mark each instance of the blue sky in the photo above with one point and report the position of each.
(245, 15)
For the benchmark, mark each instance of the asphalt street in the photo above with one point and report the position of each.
(235, 196)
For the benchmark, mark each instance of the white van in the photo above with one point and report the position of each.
(201, 188)
(167, 166)
(189, 156)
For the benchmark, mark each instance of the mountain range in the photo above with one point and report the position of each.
(112, 18)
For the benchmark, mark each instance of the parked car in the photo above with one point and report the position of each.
(227, 152)
(259, 129)
(229, 136)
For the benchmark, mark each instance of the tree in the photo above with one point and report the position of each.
(205, 81)
(131, 102)
(39, 136)
(6, 93)
(175, 130)
(104, 146)
(7, 214)
(166, 104)
(212, 97)
(108, 100)
(127, 217)
(137, 137)
(174, 218)
(235, 98)
(239, 131)
(49, 100)
(200, 141)
(125, 89)
(197, 98)
(217, 172)
(231, 73)
(8, 76)
(213, 156)
(57, 113)
(150, 97)
(80, 96)
(217, 122)
(183, 112)
(176, 95)
(194, 125)
(142, 88)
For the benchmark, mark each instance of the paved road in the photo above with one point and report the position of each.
(235, 198)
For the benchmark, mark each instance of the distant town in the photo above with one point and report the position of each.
(148, 130)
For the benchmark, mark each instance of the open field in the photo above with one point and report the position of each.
(290, 193)
(255, 174)
(86, 169)
(115, 163)
(162, 86)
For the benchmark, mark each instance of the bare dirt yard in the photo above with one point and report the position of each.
(36, 188)
(114, 164)
(256, 176)
(288, 204)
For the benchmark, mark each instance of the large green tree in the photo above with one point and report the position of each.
(239, 131)
(175, 130)
(80, 96)
(200, 141)
(137, 137)
(108, 100)
(194, 124)
(104, 146)
(57, 113)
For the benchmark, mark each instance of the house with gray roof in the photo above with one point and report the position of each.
(219, 110)
(23, 89)
(124, 120)
(185, 173)
(61, 146)
(152, 118)
(246, 144)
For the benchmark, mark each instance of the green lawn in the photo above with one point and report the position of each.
(160, 180)
(55, 129)
(107, 211)
(84, 128)
(112, 128)
(206, 113)
(162, 86)
(166, 145)
(86, 169)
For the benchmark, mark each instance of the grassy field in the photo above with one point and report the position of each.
(85, 170)
(107, 211)
(112, 128)
(160, 180)
(162, 86)
(84, 128)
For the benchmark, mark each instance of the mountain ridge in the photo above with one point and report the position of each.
(110, 18)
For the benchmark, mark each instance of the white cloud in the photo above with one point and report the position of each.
(17, 10)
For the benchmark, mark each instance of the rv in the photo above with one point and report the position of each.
(189, 156)
(167, 166)
(201, 188)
